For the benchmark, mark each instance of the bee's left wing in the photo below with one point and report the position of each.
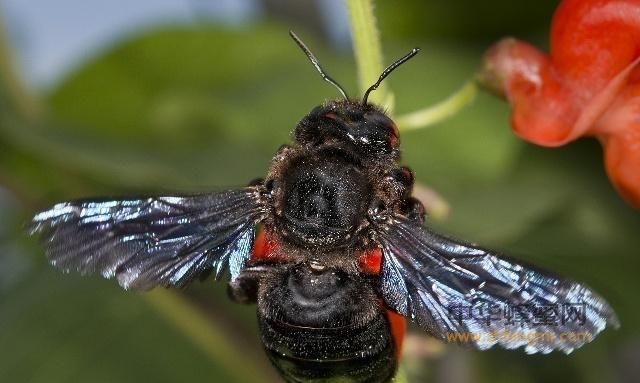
(464, 294)
(155, 241)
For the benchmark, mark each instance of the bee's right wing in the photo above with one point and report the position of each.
(453, 289)
(155, 241)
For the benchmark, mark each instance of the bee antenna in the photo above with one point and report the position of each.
(387, 71)
(316, 64)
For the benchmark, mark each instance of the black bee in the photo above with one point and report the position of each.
(342, 251)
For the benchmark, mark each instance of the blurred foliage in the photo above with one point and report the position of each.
(197, 107)
(465, 20)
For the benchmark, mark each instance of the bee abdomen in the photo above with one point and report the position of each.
(303, 354)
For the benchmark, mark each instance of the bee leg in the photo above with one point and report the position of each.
(413, 209)
(244, 289)
(401, 180)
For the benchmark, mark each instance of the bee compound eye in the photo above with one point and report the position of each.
(387, 127)
(318, 111)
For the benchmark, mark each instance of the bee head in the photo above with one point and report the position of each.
(358, 124)
(363, 128)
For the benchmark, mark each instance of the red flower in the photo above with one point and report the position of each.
(588, 85)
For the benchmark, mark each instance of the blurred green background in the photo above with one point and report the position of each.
(199, 104)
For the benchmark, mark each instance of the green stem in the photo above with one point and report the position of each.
(220, 347)
(401, 376)
(367, 48)
(440, 111)
(24, 100)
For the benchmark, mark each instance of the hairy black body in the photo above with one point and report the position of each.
(325, 190)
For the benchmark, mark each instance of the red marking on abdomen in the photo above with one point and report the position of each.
(370, 261)
(265, 248)
(398, 327)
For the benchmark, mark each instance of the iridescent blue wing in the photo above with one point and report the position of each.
(156, 241)
(464, 294)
